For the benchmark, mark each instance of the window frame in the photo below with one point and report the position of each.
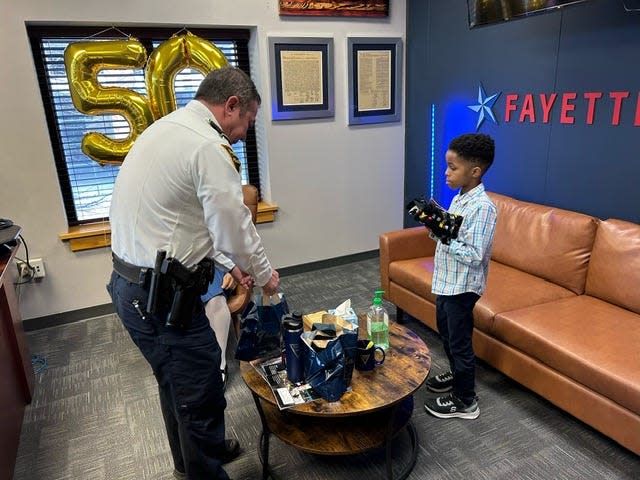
(146, 35)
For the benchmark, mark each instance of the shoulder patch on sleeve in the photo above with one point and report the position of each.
(232, 156)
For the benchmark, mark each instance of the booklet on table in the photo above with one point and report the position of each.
(286, 393)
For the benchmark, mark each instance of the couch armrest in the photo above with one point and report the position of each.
(403, 245)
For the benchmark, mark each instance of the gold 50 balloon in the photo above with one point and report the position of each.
(84, 60)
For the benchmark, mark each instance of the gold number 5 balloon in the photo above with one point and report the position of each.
(84, 60)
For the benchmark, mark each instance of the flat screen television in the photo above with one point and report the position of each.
(485, 12)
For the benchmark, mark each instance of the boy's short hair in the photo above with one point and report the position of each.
(475, 148)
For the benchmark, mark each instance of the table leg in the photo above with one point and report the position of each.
(263, 448)
(388, 442)
(413, 438)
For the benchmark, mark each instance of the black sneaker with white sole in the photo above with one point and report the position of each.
(440, 383)
(451, 406)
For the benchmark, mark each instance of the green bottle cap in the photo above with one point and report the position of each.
(377, 300)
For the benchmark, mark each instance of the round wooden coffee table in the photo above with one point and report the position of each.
(370, 415)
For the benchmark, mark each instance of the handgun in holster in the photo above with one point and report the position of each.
(187, 286)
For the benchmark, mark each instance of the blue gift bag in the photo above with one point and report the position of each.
(260, 331)
(328, 370)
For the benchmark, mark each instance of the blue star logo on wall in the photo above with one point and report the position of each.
(483, 107)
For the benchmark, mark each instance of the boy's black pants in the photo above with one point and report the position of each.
(454, 318)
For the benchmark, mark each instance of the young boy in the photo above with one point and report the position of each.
(460, 274)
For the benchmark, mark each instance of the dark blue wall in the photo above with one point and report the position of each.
(588, 47)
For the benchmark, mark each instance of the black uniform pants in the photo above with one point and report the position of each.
(186, 364)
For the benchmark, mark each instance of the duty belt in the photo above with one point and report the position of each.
(131, 273)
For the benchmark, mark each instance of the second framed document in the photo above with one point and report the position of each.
(375, 76)
(301, 77)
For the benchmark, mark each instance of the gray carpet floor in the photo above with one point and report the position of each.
(95, 413)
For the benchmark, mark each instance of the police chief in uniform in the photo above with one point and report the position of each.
(177, 202)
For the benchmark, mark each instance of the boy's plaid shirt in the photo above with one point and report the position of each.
(463, 265)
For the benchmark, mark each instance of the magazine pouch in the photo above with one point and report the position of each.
(260, 332)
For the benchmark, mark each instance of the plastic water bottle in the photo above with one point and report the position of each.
(378, 322)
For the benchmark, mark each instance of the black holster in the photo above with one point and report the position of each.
(176, 289)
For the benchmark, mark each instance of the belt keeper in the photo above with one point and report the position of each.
(142, 276)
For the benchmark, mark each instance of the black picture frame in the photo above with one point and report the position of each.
(308, 70)
(379, 99)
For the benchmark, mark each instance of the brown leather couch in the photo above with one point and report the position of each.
(561, 312)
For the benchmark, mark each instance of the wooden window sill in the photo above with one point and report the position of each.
(97, 235)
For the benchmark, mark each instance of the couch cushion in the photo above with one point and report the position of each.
(415, 275)
(510, 289)
(614, 268)
(547, 242)
(507, 288)
(591, 341)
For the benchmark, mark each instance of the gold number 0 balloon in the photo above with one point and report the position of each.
(169, 58)
(83, 62)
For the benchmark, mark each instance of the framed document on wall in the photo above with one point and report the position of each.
(375, 76)
(301, 71)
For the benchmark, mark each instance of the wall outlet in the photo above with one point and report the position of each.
(38, 267)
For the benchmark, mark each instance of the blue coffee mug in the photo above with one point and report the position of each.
(368, 357)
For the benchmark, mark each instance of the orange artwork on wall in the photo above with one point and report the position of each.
(337, 8)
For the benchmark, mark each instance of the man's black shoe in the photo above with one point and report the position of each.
(178, 475)
(231, 450)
